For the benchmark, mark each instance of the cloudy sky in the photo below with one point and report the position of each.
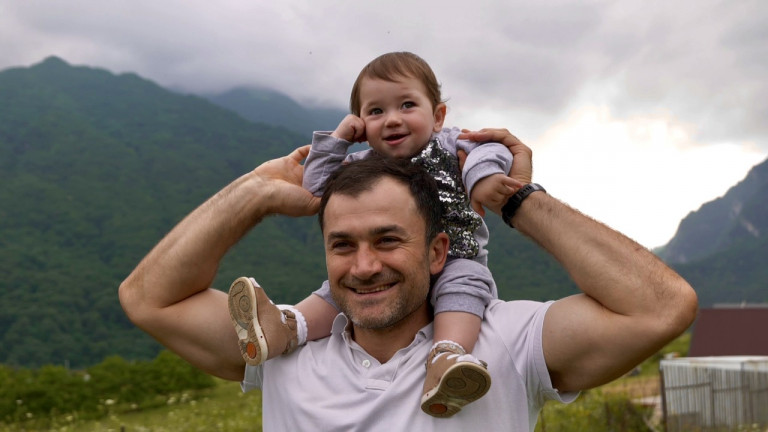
(637, 111)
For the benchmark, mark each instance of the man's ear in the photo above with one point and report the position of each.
(440, 111)
(438, 253)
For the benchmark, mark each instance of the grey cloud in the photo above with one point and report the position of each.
(702, 61)
(705, 64)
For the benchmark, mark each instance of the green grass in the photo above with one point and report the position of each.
(595, 411)
(223, 408)
(609, 407)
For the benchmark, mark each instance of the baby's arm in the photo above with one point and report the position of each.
(351, 128)
(485, 175)
(492, 192)
(329, 151)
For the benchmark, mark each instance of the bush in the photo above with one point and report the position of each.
(594, 411)
(53, 390)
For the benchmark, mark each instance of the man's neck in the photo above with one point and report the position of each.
(382, 344)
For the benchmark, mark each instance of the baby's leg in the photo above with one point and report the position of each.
(266, 330)
(455, 378)
(459, 327)
(319, 316)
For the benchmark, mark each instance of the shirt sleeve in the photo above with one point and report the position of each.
(325, 156)
(485, 160)
(522, 323)
(253, 379)
(542, 389)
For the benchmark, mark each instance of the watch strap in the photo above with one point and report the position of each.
(514, 202)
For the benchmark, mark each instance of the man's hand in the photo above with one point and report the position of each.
(283, 178)
(522, 168)
(351, 128)
(492, 192)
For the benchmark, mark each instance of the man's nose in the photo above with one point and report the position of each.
(366, 263)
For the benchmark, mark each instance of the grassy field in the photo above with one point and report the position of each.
(226, 408)
(223, 408)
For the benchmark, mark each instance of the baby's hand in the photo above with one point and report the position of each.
(351, 129)
(492, 192)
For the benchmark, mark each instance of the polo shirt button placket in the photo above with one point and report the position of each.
(366, 363)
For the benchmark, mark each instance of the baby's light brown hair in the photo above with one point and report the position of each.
(392, 67)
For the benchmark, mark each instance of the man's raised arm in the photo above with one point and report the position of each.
(632, 303)
(168, 293)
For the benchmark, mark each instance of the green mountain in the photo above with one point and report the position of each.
(721, 248)
(96, 167)
(261, 105)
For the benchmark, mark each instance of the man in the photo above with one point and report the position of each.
(379, 260)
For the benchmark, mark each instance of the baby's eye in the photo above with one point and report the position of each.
(375, 111)
(408, 104)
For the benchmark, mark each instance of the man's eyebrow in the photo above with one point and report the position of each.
(377, 231)
(337, 235)
(388, 229)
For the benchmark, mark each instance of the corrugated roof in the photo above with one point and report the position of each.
(719, 362)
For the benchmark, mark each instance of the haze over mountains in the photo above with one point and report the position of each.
(96, 167)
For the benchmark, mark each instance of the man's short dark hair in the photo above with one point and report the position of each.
(360, 176)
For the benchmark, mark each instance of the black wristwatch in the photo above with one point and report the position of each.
(514, 202)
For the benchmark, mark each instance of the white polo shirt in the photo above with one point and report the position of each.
(334, 385)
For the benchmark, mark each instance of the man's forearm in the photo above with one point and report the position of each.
(633, 304)
(168, 293)
(616, 271)
(186, 260)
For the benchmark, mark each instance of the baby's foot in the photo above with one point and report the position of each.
(454, 379)
(264, 330)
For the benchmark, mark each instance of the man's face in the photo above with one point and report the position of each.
(378, 261)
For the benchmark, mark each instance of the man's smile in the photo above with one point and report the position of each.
(374, 289)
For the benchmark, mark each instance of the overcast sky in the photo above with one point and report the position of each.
(637, 111)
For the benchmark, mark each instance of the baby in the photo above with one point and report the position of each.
(397, 108)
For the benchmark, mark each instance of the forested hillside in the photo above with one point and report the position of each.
(721, 248)
(95, 168)
(741, 215)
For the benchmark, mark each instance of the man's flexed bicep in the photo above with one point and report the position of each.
(631, 306)
(198, 329)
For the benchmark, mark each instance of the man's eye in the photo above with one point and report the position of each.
(340, 245)
(388, 241)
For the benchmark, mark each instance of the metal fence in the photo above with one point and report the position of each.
(714, 393)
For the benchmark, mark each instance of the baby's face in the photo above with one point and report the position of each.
(399, 117)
